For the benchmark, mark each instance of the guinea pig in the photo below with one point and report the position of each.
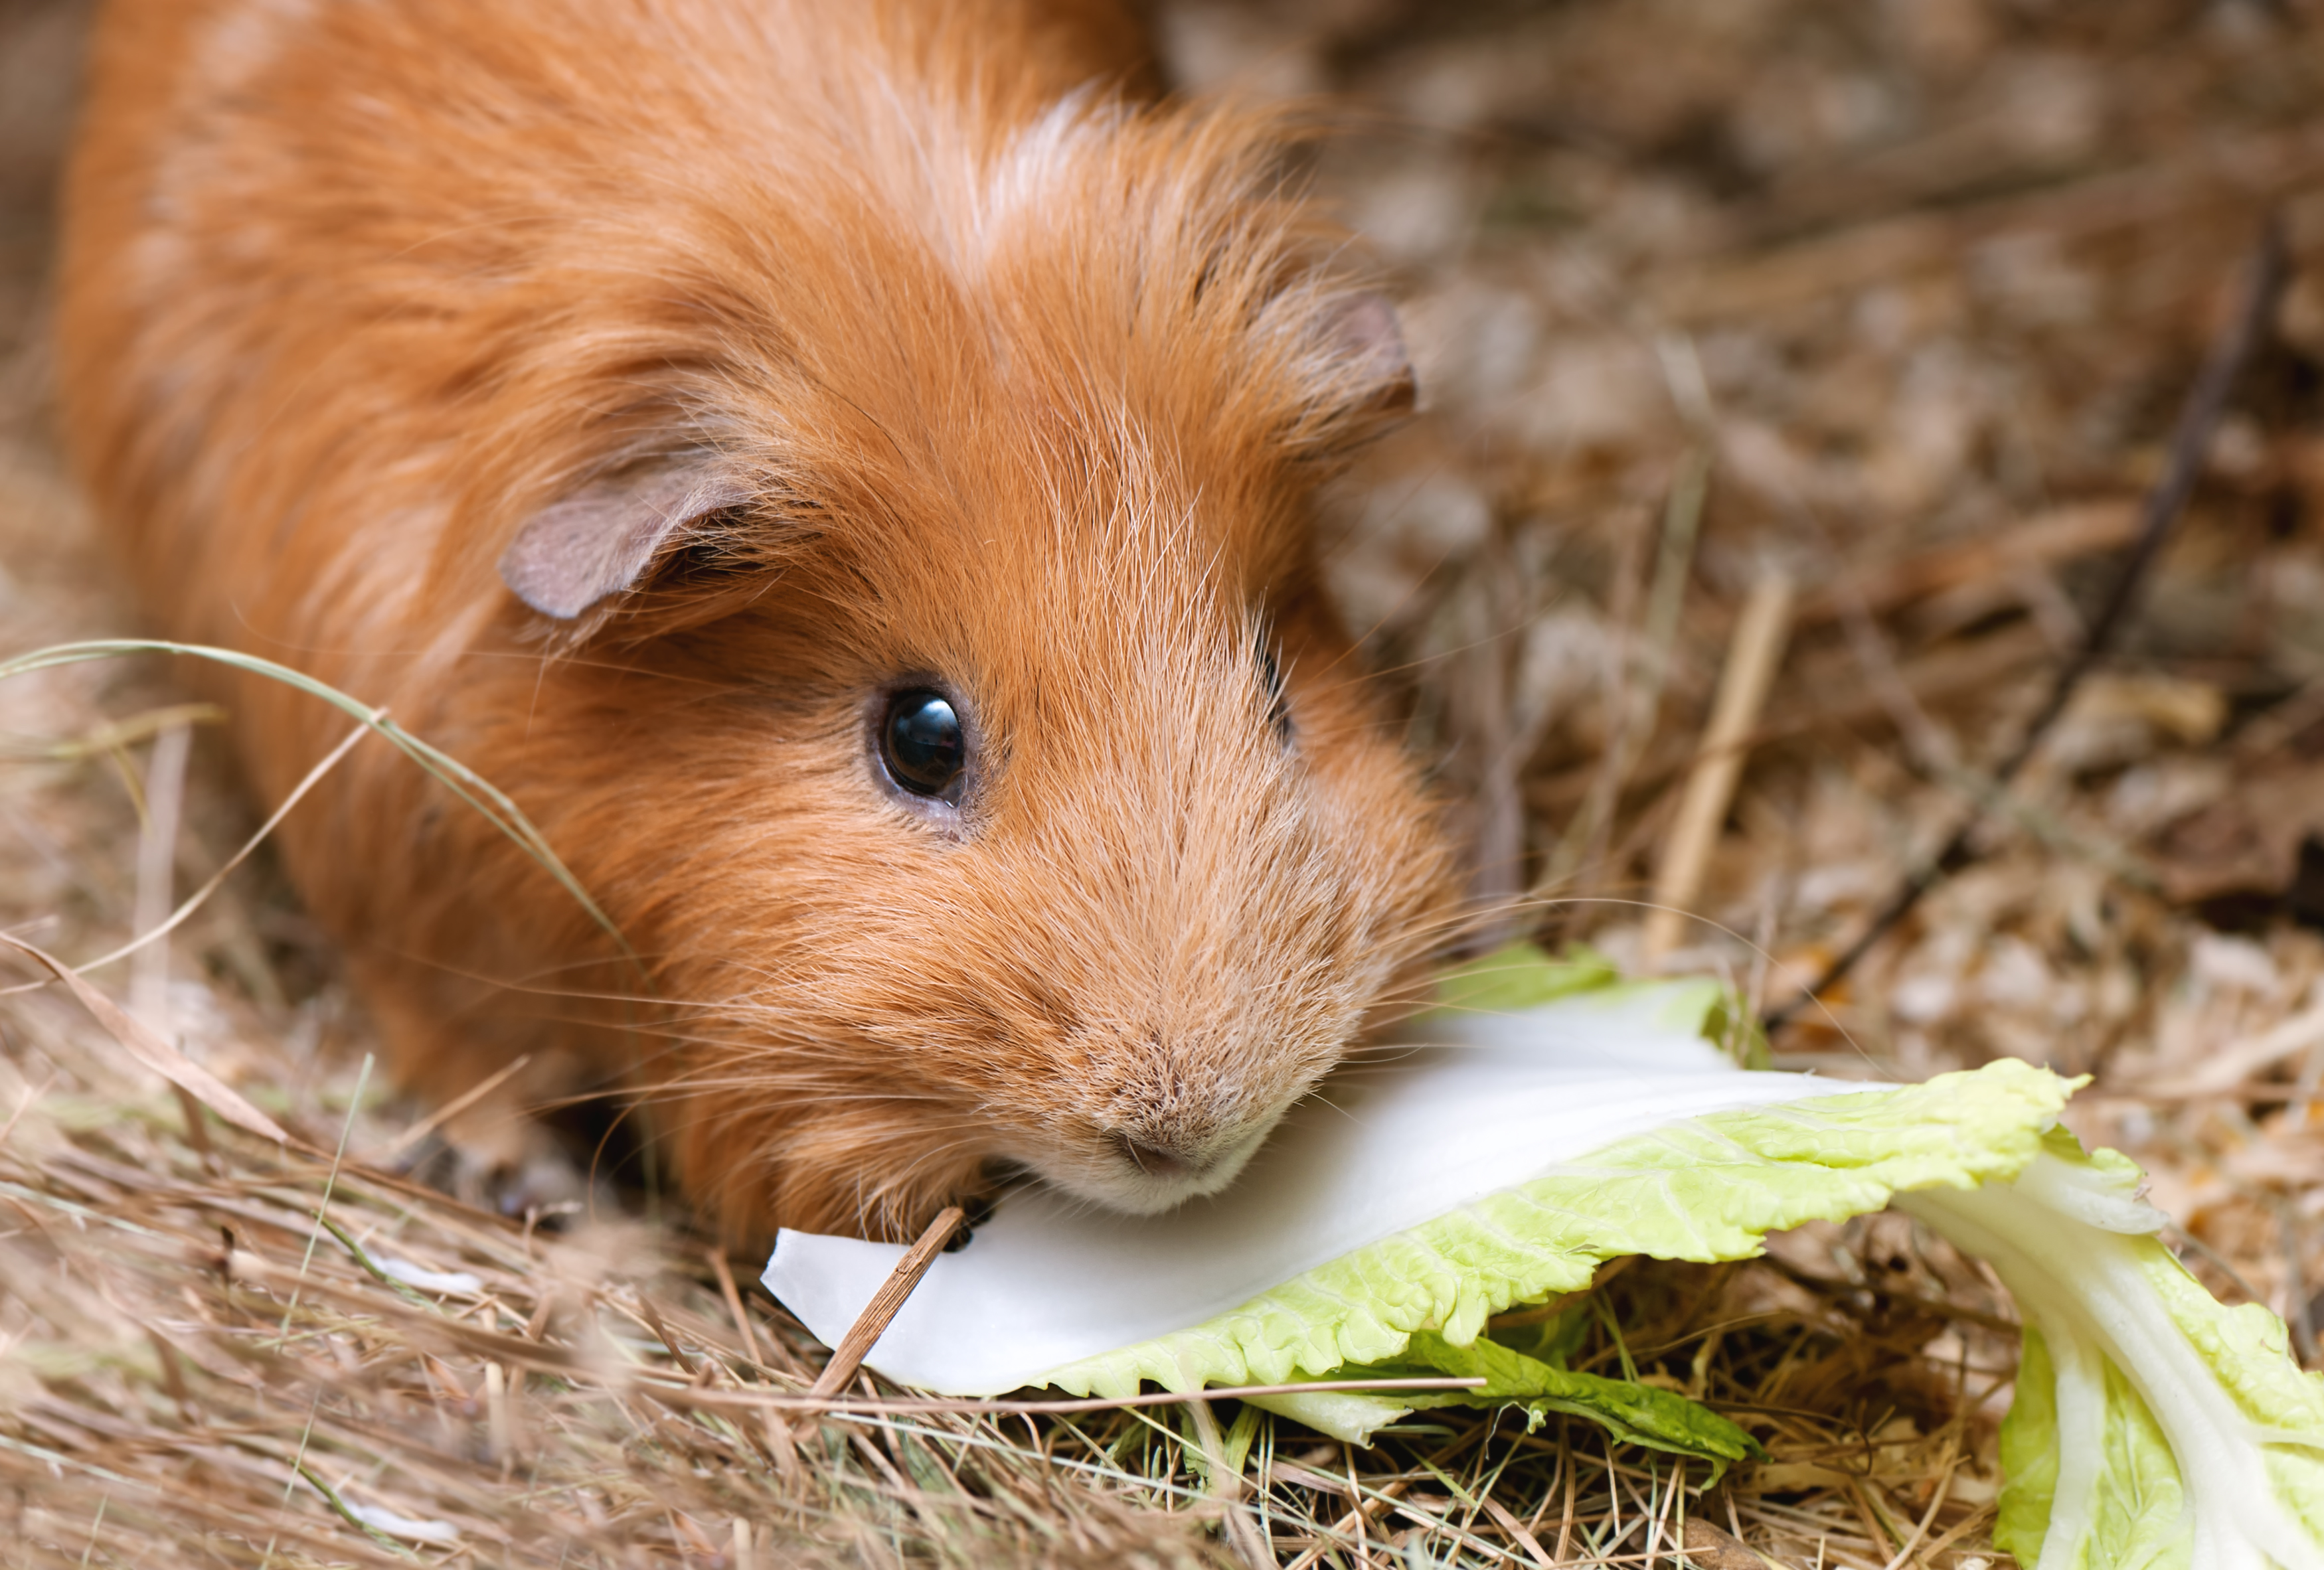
(846, 469)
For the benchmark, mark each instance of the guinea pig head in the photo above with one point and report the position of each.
(1039, 820)
(1070, 849)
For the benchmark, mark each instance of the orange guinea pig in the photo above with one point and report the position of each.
(843, 468)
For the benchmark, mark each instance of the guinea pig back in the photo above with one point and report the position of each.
(843, 466)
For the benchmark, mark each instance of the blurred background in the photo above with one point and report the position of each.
(1880, 310)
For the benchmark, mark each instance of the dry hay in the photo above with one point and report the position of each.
(1897, 301)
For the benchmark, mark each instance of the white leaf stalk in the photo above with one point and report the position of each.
(2077, 1250)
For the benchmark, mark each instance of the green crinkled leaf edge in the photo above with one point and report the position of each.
(1705, 1189)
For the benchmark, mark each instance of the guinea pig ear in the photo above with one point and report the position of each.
(1361, 335)
(599, 540)
(1354, 375)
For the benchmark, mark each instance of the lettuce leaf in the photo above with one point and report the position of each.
(1555, 1119)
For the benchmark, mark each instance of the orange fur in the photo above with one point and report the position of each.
(1026, 377)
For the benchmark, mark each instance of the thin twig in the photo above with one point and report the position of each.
(887, 1302)
(2299, 1309)
(2267, 272)
(1753, 654)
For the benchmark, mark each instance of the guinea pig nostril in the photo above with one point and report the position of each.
(1156, 1160)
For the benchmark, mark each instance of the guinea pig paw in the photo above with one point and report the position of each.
(539, 1180)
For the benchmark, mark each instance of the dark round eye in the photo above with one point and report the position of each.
(922, 743)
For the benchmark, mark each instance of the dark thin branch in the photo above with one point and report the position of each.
(2266, 273)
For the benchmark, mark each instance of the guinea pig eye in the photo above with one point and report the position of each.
(922, 743)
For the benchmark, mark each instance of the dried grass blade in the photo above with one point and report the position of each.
(157, 853)
(155, 1053)
(733, 1298)
(1936, 1503)
(1516, 1529)
(116, 734)
(195, 901)
(323, 1206)
(453, 775)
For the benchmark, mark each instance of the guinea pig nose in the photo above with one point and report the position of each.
(1157, 1161)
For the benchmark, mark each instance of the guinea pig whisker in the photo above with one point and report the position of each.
(931, 1157)
(528, 987)
(762, 1095)
(1318, 1098)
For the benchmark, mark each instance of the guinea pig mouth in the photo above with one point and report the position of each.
(1138, 1176)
